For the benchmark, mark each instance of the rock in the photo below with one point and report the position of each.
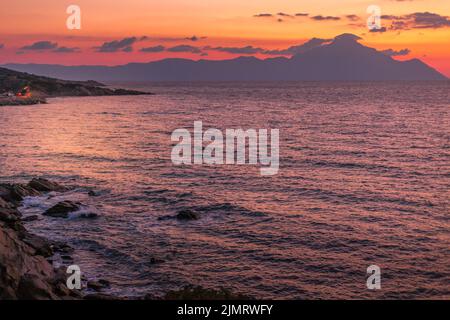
(187, 214)
(23, 274)
(41, 245)
(9, 215)
(92, 193)
(154, 260)
(98, 285)
(45, 185)
(89, 215)
(4, 204)
(62, 209)
(33, 217)
(15, 193)
(62, 247)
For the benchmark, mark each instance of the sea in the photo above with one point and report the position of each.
(363, 180)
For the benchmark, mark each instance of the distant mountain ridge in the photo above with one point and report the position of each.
(344, 59)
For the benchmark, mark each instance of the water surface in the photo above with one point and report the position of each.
(364, 179)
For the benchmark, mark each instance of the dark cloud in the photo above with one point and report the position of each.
(41, 45)
(282, 14)
(47, 46)
(380, 30)
(280, 20)
(2, 45)
(322, 18)
(417, 20)
(66, 50)
(394, 53)
(352, 17)
(153, 49)
(429, 20)
(194, 38)
(185, 48)
(301, 14)
(124, 45)
(263, 15)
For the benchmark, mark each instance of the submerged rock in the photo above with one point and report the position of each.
(187, 214)
(89, 215)
(62, 209)
(98, 285)
(33, 217)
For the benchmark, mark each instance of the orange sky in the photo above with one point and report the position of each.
(215, 23)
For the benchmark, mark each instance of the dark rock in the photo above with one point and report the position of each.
(45, 185)
(89, 215)
(15, 193)
(62, 247)
(4, 204)
(23, 274)
(62, 209)
(9, 215)
(187, 215)
(41, 245)
(98, 285)
(30, 218)
(92, 193)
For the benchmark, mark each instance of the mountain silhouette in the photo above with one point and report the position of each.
(342, 59)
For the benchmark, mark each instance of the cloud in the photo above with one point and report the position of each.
(194, 38)
(47, 46)
(185, 48)
(66, 50)
(417, 20)
(322, 18)
(300, 14)
(41, 45)
(263, 15)
(2, 45)
(352, 17)
(153, 49)
(380, 30)
(393, 53)
(429, 20)
(282, 14)
(124, 45)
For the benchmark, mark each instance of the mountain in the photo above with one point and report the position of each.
(19, 88)
(344, 58)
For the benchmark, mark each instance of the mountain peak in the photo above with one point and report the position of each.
(346, 38)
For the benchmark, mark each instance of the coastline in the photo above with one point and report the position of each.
(27, 268)
(19, 88)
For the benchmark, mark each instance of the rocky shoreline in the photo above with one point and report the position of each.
(27, 271)
(39, 88)
(25, 268)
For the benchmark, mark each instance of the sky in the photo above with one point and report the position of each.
(118, 32)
